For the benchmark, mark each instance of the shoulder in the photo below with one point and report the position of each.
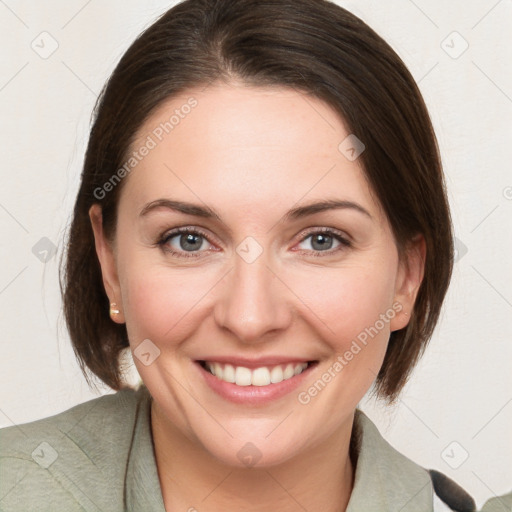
(402, 484)
(64, 460)
(499, 504)
(399, 482)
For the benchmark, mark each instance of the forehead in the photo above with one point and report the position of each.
(257, 146)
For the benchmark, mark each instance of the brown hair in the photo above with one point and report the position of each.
(317, 48)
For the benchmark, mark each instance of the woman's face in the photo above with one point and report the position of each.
(254, 285)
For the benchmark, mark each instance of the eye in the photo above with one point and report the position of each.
(187, 242)
(322, 241)
(184, 242)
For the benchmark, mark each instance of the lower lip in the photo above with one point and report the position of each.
(253, 395)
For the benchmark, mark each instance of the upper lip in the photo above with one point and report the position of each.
(257, 361)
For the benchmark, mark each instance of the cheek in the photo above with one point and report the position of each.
(355, 311)
(352, 311)
(161, 303)
(347, 300)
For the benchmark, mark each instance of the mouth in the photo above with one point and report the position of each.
(259, 376)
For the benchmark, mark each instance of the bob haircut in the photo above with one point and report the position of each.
(316, 48)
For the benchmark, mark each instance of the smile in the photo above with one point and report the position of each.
(261, 376)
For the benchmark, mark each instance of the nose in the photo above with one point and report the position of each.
(254, 304)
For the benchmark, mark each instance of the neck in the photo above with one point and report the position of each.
(320, 479)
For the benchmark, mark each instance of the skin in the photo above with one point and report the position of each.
(252, 154)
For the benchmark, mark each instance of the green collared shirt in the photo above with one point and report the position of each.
(98, 456)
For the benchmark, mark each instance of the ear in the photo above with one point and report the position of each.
(106, 256)
(408, 280)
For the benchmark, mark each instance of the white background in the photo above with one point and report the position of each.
(462, 389)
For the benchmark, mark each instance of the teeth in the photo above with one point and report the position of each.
(229, 373)
(242, 376)
(276, 375)
(262, 376)
(218, 370)
(289, 371)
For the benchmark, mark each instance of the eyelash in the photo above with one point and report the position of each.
(164, 239)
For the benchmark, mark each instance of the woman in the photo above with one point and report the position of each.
(263, 221)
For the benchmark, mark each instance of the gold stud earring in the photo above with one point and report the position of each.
(113, 309)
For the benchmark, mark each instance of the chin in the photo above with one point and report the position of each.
(251, 455)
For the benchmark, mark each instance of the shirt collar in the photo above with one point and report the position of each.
(385, 480)
(142, 489)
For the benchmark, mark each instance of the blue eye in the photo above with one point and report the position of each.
(192, 240)
(322, 242)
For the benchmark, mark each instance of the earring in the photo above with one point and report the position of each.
(113, 309)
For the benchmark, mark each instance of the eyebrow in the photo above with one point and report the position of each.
(293, 214)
